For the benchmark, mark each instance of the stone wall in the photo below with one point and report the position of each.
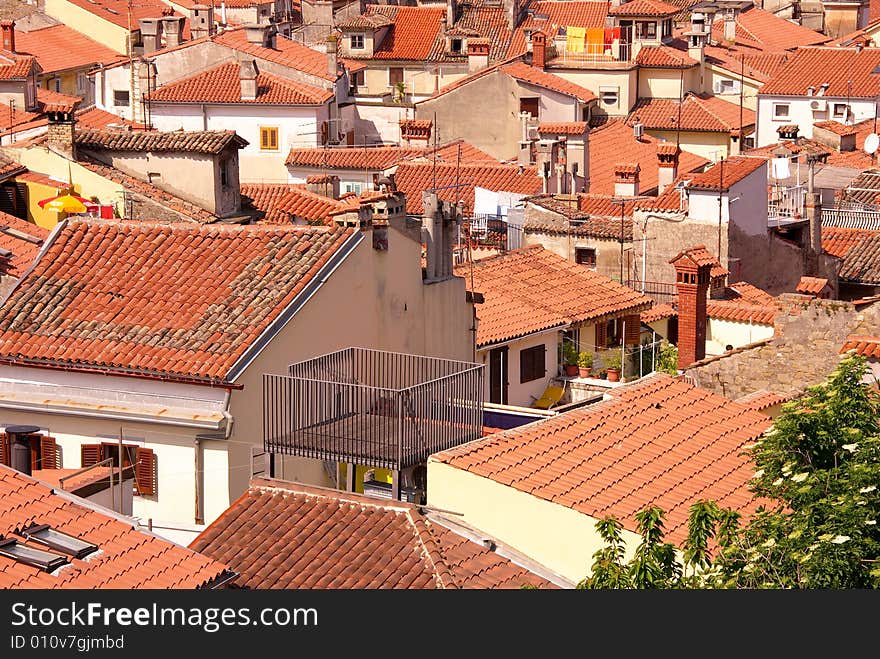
(805, 350)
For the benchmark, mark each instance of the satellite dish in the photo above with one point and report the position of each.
(872, 141)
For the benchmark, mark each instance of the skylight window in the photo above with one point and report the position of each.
(44, 560)
(46, 535)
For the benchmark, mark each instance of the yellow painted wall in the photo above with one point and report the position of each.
(708, 145)
(560, 538)
(68, 81)
(667, 83)
(104, 32)
(750, 87)
(595, 79)
(381, 475)
(37, 192)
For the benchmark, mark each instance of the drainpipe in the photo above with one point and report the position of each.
(204, 117)
(199, 460)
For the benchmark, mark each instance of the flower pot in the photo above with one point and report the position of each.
(583, 371)
(614, 375)
(571, 370)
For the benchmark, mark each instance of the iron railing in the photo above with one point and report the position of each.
(658, 291)
(371, 407)
(851, 218)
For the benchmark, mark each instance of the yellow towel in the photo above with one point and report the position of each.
(574, 40)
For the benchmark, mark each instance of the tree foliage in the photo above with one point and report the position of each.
(818, 470)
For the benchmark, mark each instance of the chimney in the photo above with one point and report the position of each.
(667, 163)
(151, 34)
(61, 131)
(730, 26)
(788, 133)
(692, 283)
(478, 54)
(539, 50)
(332, 65)
(626, 180)
(326, 185)
(21, 447)
(735, 141)
(439, 223)
(247, 74)
(173, 28)
(261, 34)
(201, 21)
(451, 11)
(7, 29)
(415, 132)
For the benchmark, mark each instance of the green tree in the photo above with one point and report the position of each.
(667, 359)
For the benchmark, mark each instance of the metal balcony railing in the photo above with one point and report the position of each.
(371, 407)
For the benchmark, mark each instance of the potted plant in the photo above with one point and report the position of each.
(612, 363)
(570, 359)
(585, 363)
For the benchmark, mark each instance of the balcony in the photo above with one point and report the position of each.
(370, 407)
(786, 205)
(615, 53)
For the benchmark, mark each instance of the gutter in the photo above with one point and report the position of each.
(311, 288)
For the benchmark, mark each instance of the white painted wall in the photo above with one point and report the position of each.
(748, 210)
(524, 394)
(553, 106)
(721, 333)
(801, 114)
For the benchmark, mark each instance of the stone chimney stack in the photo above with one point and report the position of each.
(539, 50)
(61, 131)
(260, 34)
(439, 222)
(173, 28)
(7, 30)
(478, 54)
(626, 179)
(151, 34)
(247, 74)
(730, 26)
(415, 132)
(332, 62)
(667, 164)
(692, 283)
(201, 21)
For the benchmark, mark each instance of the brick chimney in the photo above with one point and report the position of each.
(692, 282)
(478, 54)
(247, 74)
(626, 179)
(667, 164)
(61, 130)
(7, 29)
(539, 50)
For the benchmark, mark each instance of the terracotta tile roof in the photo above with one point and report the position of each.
(286, 52)
(187, 210)
(657, 442)
(531, 75)
(750, 62)
(342, 540)
(836, 66)
(836, 127)
(415, 35)
(658, 312)
(759, 28)
(203, 141)
(563, 127)
(10, 167)
(750, 293)
(101, 119)
(644, 8)
(735, 169)
(367, 21)
(55, 478)
(117, 11)
(863, 190)
(42, 179)
(128, 558)
(664, 57)
(491, 24)
(14, 66)
(861, 263)
(838, 241)
(222, 84)
(698, 113)
(23, 240)
(56, 101)
(60, 48)
(741, 311)
(133, 316)
(19, 121)
(590, 215)
(413, 177)
(811, 285)
(532, 289)
(760, 400)
(614, 143)
(548, 16)
(370, 157)
(866, 346)
(290, 203)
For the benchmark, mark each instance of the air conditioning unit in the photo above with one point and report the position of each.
(818, 105)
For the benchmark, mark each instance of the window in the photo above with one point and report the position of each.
(780, 111)
(57, 84)
(80, 82)
(608, 95)
(43, 560)
(395, 75)
(269, 138)
(143, 460)
(585, 256)
(49, 537)
(357, 188)
(531, 364)
(224, 172)
(120, 97)
(646, 30)
(357, 42)
(455, 45)
(45, 454)
(840, 110)
(725, 86)
(529, 105)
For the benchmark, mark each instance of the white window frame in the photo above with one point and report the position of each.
(116, 103)
(356, 187)
(777, 116)
(362, 40)
(844, 110)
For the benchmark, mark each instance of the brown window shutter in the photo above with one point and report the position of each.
(90, 454)
(5, 454)
(48, 453)
(145, 471)
(601, 339)
(632, 331)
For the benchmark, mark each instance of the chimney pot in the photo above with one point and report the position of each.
(21, 447)
(7, 29)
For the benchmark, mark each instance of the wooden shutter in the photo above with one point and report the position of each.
(601, 338)
(145, 471)
(632, 331)
(273, 138)
(5, 450)
(48, 453)
(90, 454)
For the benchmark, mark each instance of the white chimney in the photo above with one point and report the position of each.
(247, 74)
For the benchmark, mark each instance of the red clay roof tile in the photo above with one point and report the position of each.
(866, 346)
(762, 29)
(697, 113)
(286, 52)
(837, 66)
(60, 48)
(726, 173)
(811, 285)
(529, 74)
(548, 16)
(14, 66)
(644, 8)
(23, 240)
(664, 57)
(194, 141)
